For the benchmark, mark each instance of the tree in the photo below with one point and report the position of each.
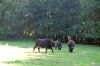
(54, 17)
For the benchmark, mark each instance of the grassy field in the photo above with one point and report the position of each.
(19, 53)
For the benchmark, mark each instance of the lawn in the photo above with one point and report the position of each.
(19, 53)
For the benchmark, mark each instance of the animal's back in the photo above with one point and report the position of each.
(71, 43)
(43, 43)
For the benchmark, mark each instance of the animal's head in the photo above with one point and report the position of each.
(57, 44)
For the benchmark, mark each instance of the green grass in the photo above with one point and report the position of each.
(19, 53)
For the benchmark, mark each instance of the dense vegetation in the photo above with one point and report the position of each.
(50, 18)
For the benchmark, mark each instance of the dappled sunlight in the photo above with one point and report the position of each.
(14, 54)
(2, 64)
(9, 53)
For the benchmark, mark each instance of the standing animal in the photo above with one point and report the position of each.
(58, 44)
(44, 43)
(71, 44)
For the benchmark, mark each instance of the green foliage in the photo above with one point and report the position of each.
(90, 17)
(57, 15)
(50, 17)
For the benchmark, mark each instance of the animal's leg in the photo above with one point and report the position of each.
(38, 49)
(55, 46)
(70, 50)
(34, 48)
(46, 50)
(52, 49)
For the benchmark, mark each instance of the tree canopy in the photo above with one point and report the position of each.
(31, 18)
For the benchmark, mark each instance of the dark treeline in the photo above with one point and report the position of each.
(31, 19)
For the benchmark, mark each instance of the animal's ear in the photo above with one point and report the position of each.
(51, 39)
(57, 40)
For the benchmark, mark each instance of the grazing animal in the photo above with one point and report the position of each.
(71, 44)
(43, 43)
(58, 44)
